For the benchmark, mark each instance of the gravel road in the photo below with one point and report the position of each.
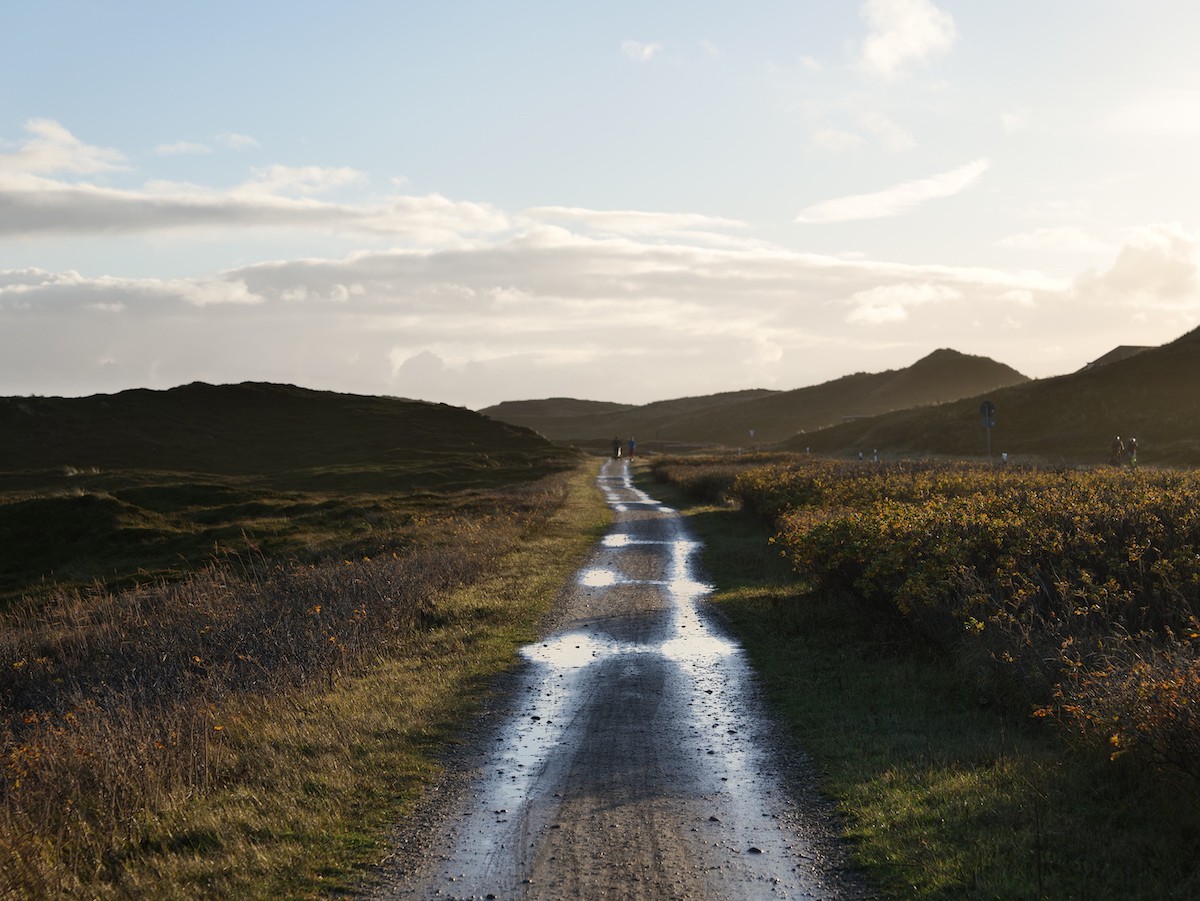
(629, 756)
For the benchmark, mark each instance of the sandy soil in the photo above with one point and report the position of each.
(628, 757)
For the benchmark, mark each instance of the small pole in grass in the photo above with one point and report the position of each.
(987, 418)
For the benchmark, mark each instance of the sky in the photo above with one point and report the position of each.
(472, 202)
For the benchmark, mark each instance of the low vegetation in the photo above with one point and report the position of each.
(996, 670)
(240, 624)
(252, 729)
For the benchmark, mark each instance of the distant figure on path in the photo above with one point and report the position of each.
(1116, 452)
(1131, 450)
(616, 446)
(632, 445)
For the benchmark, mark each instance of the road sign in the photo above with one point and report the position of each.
(987, 414)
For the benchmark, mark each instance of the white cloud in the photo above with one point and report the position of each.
(891, 303)
(1156, 267)
(901, 33)
(633, 222)
(48, 207)
(897, 199)
(812, 64)
(182, 148)
(642, 52)
(54, 149)
(1060, 239)
(235, 141)
(272, 180)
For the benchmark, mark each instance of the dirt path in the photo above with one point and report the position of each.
(631, 759)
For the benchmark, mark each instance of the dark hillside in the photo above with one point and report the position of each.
(646, 422)
(941, 376)
(253, 429)
(1153, 396)
(774, 416)
(551, 407)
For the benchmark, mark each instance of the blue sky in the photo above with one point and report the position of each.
(473, 202)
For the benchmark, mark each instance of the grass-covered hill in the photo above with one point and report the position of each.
(728, 419)
(151, 482)
(275, 431)
(584, 421)
(1153, 396)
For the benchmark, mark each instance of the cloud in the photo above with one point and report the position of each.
(891, 303)
(36, 206)
(235, 141)
(53, 149)
(633, 222)
(902, 33)
(590, 315)
(272, 180)
(1060, 239)
(1157, 267)
(642, 52)
(182, 148)
(897, 199)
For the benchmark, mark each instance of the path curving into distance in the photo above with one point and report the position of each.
(635, 761)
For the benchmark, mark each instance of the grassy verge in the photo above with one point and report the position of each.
(298, 788)
(940, 796)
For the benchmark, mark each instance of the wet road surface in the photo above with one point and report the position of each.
(635, 761)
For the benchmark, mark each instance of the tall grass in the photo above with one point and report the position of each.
(120, 708)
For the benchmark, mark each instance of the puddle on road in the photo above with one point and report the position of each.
(597, 578)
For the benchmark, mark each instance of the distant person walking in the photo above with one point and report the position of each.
(632, 445)
(1131, 450)
(1116, 452)
(616, 448)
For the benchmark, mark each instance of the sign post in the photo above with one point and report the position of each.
(987, 418)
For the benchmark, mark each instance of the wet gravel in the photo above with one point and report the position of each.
(628, 757)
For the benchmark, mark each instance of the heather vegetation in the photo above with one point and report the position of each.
(1070, 594)
(1049, 615)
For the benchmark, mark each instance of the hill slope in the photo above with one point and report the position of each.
(142, 485)
(772, 415)
(1154, 396)
(251, 429)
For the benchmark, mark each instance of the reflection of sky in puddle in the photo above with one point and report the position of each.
(597, 578)
(576, 649)
(690, 638)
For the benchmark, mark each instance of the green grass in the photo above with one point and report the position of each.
(940, 796)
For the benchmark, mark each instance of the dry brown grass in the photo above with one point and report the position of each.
(196, 738)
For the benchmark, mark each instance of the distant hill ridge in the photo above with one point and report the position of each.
(1153, 395)
(772, 416)
(246, 429)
